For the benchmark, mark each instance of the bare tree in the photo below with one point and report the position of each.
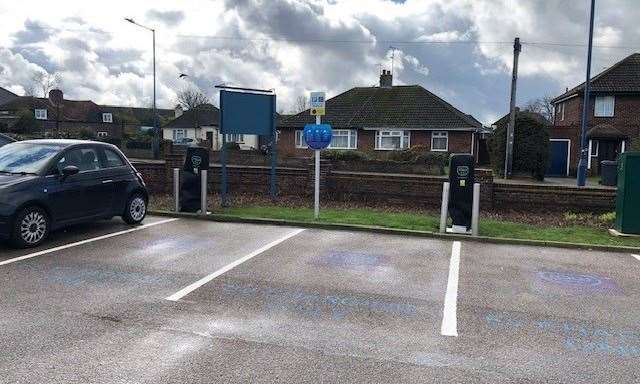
(190, 97)
(541, 105)
(43, 81)
(301, 104)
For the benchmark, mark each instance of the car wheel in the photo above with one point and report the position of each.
(31, 227)
(136, 209)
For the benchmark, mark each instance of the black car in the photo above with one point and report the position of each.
(4, 139)
(48, 184)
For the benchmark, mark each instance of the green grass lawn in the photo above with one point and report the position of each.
(414, 221)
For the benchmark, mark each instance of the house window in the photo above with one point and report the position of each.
(595, 148)
(107, 118)
(41, 114)
(178, 134)
(344, 139)
(560, 111)
(300, 142)
(440, 141)
(235, 138)
(392, 140)
(604, 106)
(103, 134)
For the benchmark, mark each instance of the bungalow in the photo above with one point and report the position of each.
(613, 119)
(201, 123)
(386, 118)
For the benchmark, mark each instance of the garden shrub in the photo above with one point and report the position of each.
(635, 145)
(342, 155)
(530, 147)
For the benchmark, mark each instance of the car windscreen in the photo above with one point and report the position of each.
(26, 157)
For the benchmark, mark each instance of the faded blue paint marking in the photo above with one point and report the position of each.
(573, 336)
(314, 304)
(579, 282)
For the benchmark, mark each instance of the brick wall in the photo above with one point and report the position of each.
(387, 189)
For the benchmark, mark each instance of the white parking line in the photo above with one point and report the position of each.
(188, 289)
(77, 243)
(637, 257)
(449, 318)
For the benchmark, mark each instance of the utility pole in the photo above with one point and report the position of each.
(582, 164)
(508, 163)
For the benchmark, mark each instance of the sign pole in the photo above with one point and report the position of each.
(316, 207)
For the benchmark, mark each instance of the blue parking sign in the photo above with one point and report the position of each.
(317, 136)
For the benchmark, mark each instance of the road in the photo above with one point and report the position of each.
(186, 301)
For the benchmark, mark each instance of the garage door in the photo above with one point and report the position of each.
(559, 158)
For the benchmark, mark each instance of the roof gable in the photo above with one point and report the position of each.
(203, 115)
(410, 107)
(622, 77)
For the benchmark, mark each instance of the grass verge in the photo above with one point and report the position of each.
(413, 221)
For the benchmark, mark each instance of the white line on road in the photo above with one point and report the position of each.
(50, 250)
(637, 257)
(188, 289)
(449, 318)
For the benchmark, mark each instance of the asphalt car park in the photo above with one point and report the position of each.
(176, 301)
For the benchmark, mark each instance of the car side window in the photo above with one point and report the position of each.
(112, 159)
(86, 159)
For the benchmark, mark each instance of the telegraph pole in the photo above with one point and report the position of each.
(582, 164)
(508, 163)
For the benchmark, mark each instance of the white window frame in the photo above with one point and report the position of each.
(405, 135)
(103, 133)
(299, 140)
(177, 132)
(40, 114)
(602, 105)
(107, 118)
(352, 138)
(235, 138)
(594, 144)
(560, 110)
(440, 135)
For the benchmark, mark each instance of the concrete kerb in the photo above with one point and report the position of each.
(395, 231)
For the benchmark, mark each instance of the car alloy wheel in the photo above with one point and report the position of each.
(138, 208)
(33, 227)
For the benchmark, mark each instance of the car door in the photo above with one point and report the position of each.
(85, 194)
(118, 174)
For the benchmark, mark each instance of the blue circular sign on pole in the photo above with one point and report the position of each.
(317, 136)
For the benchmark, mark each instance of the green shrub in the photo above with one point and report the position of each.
(635, 145)
(342, 155)
(26, 123)
(232, 146)
(530, 147)
(86, 134)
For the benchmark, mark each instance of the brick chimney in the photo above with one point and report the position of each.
(56, 96)
(386, 78)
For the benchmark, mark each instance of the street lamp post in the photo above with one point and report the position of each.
(156, 131)
(582, 164)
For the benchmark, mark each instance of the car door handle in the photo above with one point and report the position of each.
(107, 181)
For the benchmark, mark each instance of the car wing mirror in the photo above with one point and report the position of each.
(69, 170)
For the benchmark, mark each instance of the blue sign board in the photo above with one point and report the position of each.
(318, 136)
(247, 113)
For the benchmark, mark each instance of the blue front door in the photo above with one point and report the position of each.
(558, 158)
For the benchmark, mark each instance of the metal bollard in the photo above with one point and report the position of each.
(475, 212)
(176, 189)
(444, 207)
(203, 192)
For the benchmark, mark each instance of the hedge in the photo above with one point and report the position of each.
(530, 147)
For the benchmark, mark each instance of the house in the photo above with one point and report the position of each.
(613, 118)
(58, 116)
(202, 123)
(384, 118)
(6, 96)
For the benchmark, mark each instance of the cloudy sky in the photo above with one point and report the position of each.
(458, 49)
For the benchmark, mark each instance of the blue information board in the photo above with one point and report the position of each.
(247, 113)
(317, 136)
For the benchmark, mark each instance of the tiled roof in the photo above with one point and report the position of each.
(622, 77)
(6, 95)
(387, 107)
(203, 115)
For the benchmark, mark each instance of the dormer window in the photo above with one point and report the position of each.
(41, 114)
(107, 118)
